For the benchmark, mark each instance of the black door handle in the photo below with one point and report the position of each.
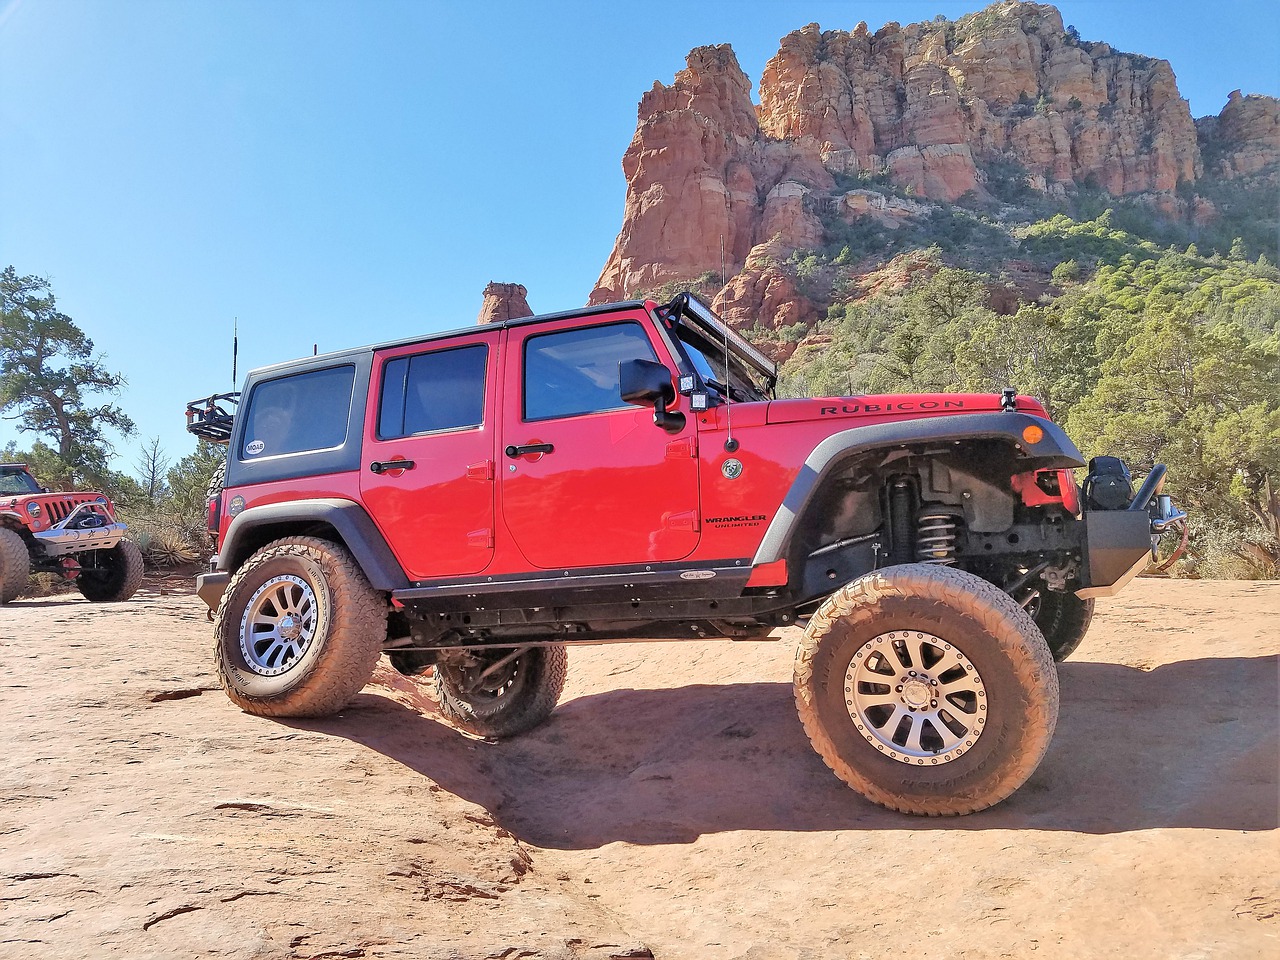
(514, 451)
(385, 466)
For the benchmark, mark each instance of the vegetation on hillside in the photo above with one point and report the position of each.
(1154, 354)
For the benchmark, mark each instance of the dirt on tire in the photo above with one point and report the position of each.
(350, 625)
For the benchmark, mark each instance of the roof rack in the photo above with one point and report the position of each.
(211, 418)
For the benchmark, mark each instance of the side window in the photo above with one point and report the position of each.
(307, 411)
(443, 390)
(576, 371)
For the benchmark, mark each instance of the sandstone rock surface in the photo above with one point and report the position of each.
(670, 808)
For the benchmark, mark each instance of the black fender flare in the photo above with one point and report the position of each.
(353, 525)
(1055, 449)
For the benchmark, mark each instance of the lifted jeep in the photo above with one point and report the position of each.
(472, 502)
(75, 535)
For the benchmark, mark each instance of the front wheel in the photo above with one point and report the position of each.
(111, 576)
(15, 565)
(1063, 618)
(501, 692)
(298, 631)
(926, 689)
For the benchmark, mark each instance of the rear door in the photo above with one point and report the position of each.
(588, 480)
(435, 413)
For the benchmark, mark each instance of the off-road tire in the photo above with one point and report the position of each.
(348, 624)
(1018, 685)
(528, 694)
(1064, 619)
(217, 480)
(119, 575)
(15, 565)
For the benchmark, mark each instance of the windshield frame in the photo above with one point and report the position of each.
(704, 337)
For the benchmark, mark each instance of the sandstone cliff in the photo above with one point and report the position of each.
(859, 125)
(504, 301)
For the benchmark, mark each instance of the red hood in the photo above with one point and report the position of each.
(876, 408)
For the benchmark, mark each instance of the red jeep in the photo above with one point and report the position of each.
(75, 535)
(475, 501)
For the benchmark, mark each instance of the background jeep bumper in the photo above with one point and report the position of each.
(60, 541)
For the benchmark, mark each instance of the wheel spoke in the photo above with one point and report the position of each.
(279, 624)
(897, 699)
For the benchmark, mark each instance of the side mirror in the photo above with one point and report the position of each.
(644, 382)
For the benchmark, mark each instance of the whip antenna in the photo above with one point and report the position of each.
(235, 350)
(730, 444)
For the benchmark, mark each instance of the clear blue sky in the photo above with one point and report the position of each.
(339, 173)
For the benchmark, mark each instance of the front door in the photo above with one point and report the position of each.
(588, 480)
(435, 412)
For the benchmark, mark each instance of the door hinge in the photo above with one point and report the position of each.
(683, 521)
(480, 471)
(481, 538)
(686, 448)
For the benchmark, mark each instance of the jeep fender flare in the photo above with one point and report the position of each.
(1053, 450)
(255, 527)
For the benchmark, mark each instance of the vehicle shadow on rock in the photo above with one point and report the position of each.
(1186, 745)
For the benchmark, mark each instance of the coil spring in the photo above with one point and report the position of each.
(936, 538)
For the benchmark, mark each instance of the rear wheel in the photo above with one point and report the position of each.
(110, 576)
(298, 631)
(15, 565)
(926, 689)
(502, 692)
(1063, 618)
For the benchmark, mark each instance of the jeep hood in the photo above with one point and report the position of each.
(893, 406)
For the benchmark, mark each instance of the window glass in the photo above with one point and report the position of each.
(443, 390)
(576, 371)
(307, 411)
(17, 481)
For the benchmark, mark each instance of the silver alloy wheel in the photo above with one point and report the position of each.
(278, 625)
(915, 698)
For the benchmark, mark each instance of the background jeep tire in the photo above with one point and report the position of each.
(118, 577)
(15, 565)
(1064, 619)
(984, 710)
(516, 698)
(298, 631)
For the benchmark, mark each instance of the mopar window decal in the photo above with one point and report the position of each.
(892, 407)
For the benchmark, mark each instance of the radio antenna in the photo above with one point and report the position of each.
(730, 444)
(235, 350)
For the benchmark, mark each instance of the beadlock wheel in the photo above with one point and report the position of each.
(278, 625)
(915, 698)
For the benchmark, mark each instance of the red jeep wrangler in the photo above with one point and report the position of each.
(477, 500)
(75, 535)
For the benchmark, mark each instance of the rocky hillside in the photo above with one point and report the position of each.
(1002, 117)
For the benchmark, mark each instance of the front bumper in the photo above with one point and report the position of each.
(210, 587)
(1120, 544)
(59, 542)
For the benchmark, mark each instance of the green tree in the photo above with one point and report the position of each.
(48, 375)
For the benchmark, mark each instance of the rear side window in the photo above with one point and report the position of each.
(307, 411)
(430, 392)
(576, 371)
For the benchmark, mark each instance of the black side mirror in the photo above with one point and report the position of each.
(644, 382)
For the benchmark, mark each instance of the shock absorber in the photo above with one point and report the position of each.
(936, 535)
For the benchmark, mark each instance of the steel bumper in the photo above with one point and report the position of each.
(210, 587)
(60, 541)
